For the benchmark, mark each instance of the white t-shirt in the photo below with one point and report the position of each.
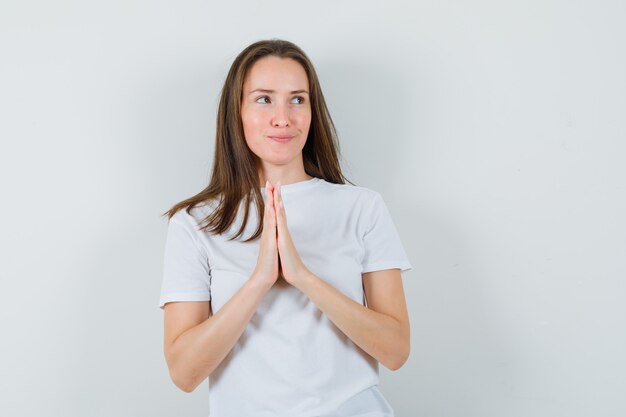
(291, 359)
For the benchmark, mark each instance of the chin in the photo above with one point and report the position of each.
(278, 161)
(281, 157)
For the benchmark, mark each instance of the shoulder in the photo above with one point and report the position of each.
(357, 200)
(192, 219)
(349, 192)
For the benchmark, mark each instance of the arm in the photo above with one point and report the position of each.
(195, 344)
(382, 329)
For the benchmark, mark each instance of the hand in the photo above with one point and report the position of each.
(267, 267)
(292, 267)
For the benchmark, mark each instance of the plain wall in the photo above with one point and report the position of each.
(495, 132)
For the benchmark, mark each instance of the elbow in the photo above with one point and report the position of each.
(187, 388)
(184, 384)
(396, 363)
(186, 380)
(179, 378)
(184, 376)
(399, 358)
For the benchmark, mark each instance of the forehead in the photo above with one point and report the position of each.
(274, 73)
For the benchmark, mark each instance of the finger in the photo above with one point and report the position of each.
(280, 206)
(270, 213)
(271, 190)
(273, 220)
(268, 198)
(276, 199)
(277, 208)
(272, 200)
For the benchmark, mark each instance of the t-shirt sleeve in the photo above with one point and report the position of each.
(383, 248)
(186, 272)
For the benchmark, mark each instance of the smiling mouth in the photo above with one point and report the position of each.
(281, 138)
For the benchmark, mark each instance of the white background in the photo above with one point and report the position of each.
(494, 130)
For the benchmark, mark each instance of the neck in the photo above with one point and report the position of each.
(285, 175)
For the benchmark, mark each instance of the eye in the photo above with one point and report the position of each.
(298, 100)
(263, 99)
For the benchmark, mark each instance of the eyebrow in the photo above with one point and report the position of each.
(262, 90)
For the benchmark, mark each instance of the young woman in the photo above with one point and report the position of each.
(282, 284)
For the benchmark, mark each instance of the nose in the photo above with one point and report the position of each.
(281, 116)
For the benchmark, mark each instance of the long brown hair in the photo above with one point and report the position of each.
(235, 177)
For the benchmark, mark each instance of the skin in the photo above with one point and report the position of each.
(196, 342)
(276, 103)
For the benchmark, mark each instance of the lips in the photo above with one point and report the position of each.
(281, 138)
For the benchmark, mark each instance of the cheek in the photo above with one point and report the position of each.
(304, 119)
(251, 124)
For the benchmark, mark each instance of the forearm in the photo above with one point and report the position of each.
(198, 351)
(381, 336)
